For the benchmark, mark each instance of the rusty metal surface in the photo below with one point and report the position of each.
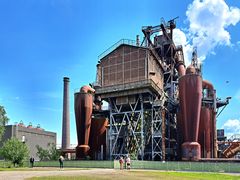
(98, 137)
(211, 94)
(190, 95)
(128, 64)
(191, 151)
(232, 150)
(204, 136)
(83, 104)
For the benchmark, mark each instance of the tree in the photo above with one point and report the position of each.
(15, 151)
(52, 153)
(3, 120)
(43, 154)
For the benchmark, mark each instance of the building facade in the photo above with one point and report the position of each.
(31, 136)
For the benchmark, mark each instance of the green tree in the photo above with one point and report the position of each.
(43, 154)
(15, 151)
(52, 153)
(3, 120)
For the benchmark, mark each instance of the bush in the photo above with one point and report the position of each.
(15, 151)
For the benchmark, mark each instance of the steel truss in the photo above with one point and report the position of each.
(158, 133)
(138, 129)
(127, 128)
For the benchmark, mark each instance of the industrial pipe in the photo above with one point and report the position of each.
(179, 59)
(87, 89)
(211, 93)
(207, 85)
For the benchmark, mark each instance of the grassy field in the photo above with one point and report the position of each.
(140, 175)
(38, 169)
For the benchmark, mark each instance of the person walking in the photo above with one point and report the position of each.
(31, 162)
(128, 162)
(61, 159)
(121, 163)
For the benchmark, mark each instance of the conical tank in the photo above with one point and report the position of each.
(190, 95)
(83, 103)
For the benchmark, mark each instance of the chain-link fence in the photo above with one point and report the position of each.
(229, 167)
(185, 166)
(76, 164)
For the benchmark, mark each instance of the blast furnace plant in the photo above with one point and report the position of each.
(157, 108)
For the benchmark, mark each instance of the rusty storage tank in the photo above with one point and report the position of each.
(83, 103)
(190, 95)
(97, 140)
(204, 136)
(206, 129)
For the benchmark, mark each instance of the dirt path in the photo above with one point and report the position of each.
(37, 172)
(21, 175)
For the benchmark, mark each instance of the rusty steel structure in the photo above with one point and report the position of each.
(83, 103)
(157, 108)
(229, 148)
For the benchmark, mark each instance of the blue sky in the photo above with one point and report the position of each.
(43, 41)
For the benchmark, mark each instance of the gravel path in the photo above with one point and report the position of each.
(21, 175)
(37, 172)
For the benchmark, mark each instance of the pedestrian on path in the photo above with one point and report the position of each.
(31, 162)
(121, 163)
(128, 162)
(61, 159)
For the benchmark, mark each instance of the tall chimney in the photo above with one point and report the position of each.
(137, 40)
(66, 115)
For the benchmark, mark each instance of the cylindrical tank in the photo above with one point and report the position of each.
(210, 129)
(98, 137)
(190, 96)
(204, 136)
(83, 103)
(191, 151)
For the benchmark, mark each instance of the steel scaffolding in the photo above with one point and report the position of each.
(126, 128)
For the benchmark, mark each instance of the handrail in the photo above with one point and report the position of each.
(117, 44)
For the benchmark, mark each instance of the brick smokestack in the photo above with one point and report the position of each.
(66, 115)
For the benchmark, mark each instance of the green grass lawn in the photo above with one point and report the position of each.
(38, 169)
(14, 169)
(140, 175)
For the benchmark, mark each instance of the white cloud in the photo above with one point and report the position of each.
(208, 22)
(231, 127)
(179, 38)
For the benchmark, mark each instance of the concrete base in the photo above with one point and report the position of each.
(191, 151)
(82, 151)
